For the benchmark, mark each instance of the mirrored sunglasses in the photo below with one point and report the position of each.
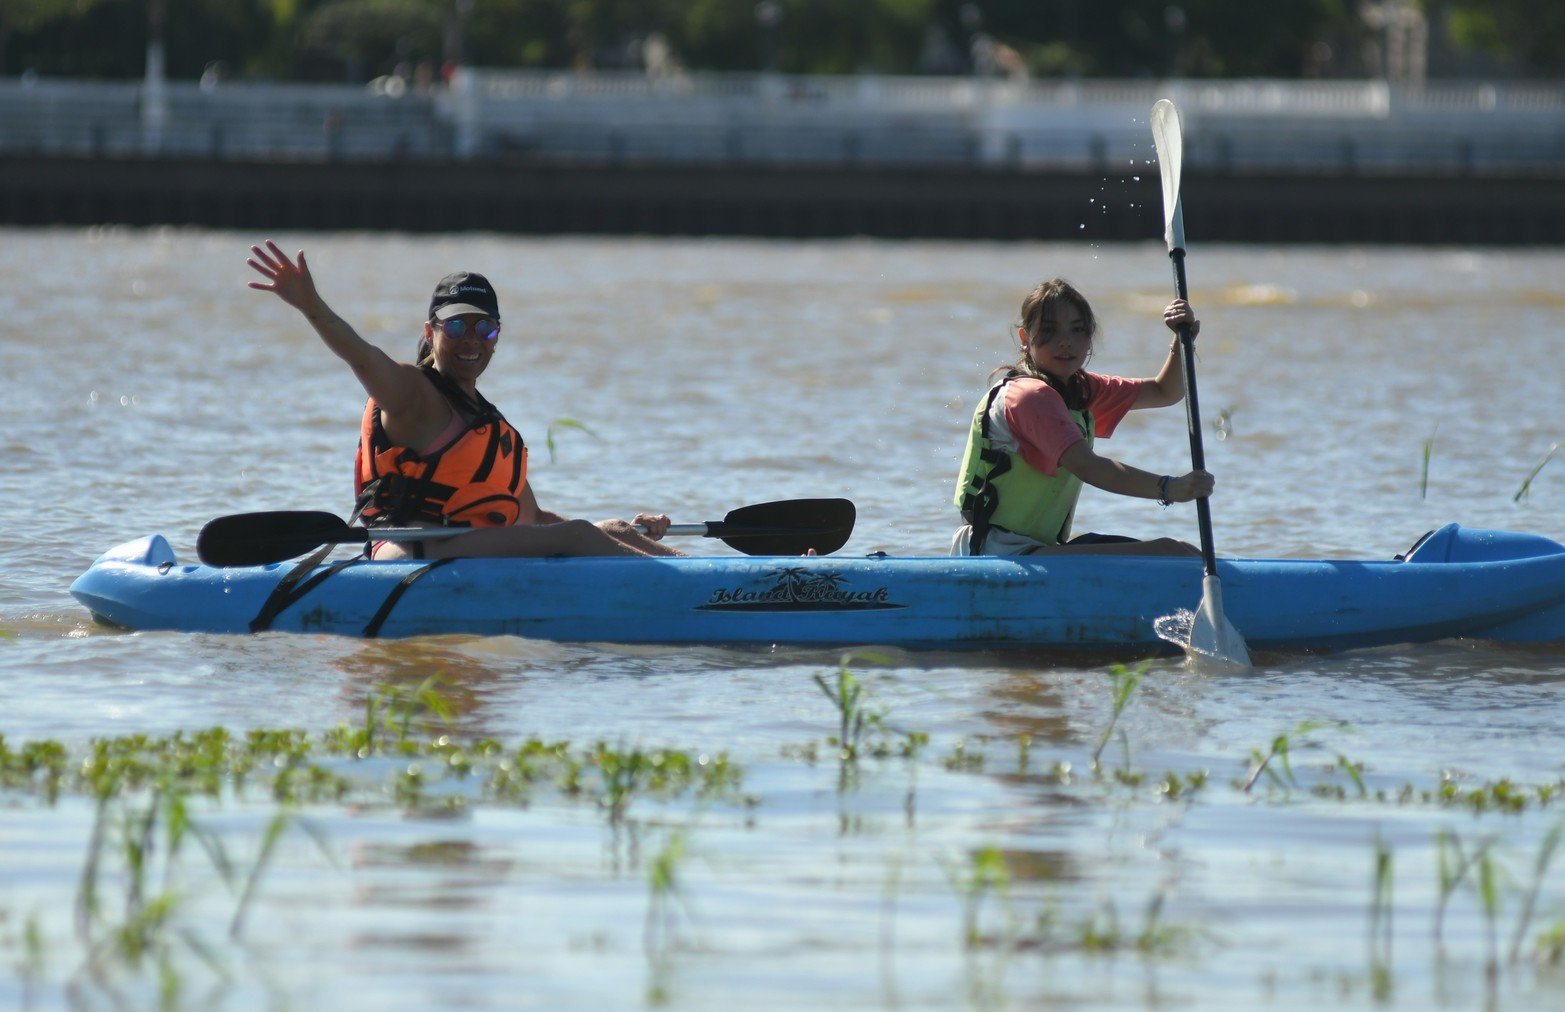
(456, 327)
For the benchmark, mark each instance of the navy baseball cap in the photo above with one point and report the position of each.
(463, 292)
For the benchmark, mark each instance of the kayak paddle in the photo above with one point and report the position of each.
(786, 527)
(1211, 635)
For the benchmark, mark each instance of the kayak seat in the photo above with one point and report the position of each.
(1455, 543)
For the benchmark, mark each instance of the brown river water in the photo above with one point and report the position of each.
(148, 390)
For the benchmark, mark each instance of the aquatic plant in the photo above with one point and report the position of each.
(1540, 869)
(861, 726)
(564, 423)
(1526, 486)
(854, 715)
(1173, 786)
(1551, 944)
(1489, 899)
(282, 821)
(137, 842)
(1280, 751)
(664, 893)
(1381, 908)
(984, 873)
(1423, 476)
(1123, 682)
(1101, 933)
(624, 774)
(389, 712)
(1451, 867)
(961, 760)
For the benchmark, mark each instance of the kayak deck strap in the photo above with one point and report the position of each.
(289, 589)
(373, 629)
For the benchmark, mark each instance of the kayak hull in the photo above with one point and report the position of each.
(1458, 582)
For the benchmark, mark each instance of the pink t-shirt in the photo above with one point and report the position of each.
(1041, 425)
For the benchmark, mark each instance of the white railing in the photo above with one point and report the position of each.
(742, 118)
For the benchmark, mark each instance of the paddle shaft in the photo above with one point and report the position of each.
(1203, 509)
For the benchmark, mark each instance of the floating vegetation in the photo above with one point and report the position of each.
(1381, 906)
(564, 424)
(152, 798)
(1123, 682)
(1280, 753)
(985, 873)
(664, 894)
(1423, 474)
(1526, 486)
(861, 726)
(960, 759)
(293, 767)
(162, 878)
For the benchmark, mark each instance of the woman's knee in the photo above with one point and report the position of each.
(614, 528)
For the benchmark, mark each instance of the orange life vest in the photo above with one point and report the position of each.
(475, 481)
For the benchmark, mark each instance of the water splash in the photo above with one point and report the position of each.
(1175, 628)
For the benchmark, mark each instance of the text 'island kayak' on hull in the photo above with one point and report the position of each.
(1457, 582)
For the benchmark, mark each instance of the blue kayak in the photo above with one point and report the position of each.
(1456, 582)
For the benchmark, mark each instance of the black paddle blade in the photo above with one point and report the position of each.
(788, 527)
(255, 539)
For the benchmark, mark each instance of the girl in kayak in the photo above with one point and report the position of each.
(1030, 445)
(432, 450)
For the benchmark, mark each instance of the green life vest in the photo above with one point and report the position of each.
(997, 488)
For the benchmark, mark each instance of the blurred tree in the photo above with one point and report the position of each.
(316, 39)
(810, 36)
(27, 16)
(371, 37)
(1528, 33)
(1156, 38)
(108, 38)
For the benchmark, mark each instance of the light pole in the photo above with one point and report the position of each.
(154, 88)
(767, 15)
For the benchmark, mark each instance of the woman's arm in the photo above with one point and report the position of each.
(1113, 476)
(646, 526)
(398, 388)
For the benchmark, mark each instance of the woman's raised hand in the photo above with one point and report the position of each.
(285, 278)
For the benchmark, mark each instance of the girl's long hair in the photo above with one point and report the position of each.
(1038, 313)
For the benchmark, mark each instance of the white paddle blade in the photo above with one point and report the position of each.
(1212, 637)
(1168, 138)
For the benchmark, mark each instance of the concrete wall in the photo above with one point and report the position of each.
(958, 202)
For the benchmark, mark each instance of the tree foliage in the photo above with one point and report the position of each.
(356, 39)
(1529, 32)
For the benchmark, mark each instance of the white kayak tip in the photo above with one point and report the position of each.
(1213, 639)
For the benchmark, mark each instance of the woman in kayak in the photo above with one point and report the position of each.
(1030, 445)
(432, 450)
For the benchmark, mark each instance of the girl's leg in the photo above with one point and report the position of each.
(1158, 546)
